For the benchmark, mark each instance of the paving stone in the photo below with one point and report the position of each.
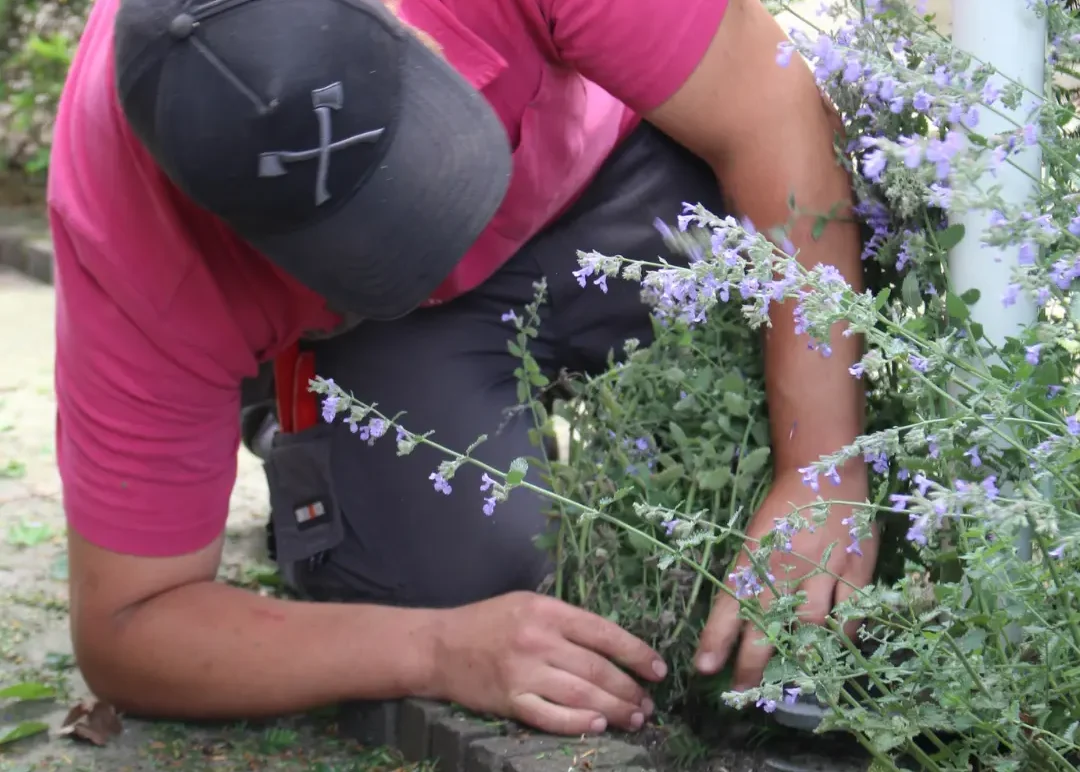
(540, 764)
(491, 754)
(451, 737)
(415, 721)
(373, 724)
(506, 754)
(39, 260)
(615, 754)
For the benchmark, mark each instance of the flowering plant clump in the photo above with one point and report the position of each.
(968, 655)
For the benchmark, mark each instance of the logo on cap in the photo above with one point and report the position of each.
(326, 100)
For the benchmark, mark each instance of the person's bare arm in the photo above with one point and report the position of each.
(159, 637)
(768, 134)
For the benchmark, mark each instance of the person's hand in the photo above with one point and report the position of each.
(544, 663)
(724, 628)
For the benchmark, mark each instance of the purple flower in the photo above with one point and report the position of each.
(853, 532)
(747, 584)
(1031, 354)
(784, 53)
(791, 694)
(486, 482)
(489, 506)
(810, 477)
(784, 531)
(917, 532)
(669, 526)
(918, 363)
(768, 706)
(509, 316)
(989, 485)
(1011, 294)
(874, 164)
(973, 454)
(441, 485)
(1072, 425)
(857, 369)
(1058, 552)
(330, 404)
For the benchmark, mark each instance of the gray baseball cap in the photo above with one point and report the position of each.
(323, 133)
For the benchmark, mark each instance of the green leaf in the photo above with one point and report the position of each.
(971, 297)
(22, 731)
(518, 469)
(956, 307)
(733, 382)
(951, 236)
(754, 462)
(669, 475)
(28, 690)
(819, 227)
(910, 292)
(736, 405)
(640, 544)
(715, 479)
(677, 434)
(882, 298)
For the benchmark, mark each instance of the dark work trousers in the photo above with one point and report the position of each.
(388, 536)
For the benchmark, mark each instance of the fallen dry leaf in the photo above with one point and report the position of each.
(91, 720)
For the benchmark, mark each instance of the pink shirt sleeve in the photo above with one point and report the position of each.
(640, 51)
(147, 424)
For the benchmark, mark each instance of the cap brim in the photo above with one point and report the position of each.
(403, 232)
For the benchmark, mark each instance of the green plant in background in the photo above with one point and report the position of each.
(37, 42)
(14, 695)
(679, 424)
(968, 658)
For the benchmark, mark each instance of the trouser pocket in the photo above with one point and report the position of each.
(305, 514)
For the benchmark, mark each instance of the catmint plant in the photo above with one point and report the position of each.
(968, 649)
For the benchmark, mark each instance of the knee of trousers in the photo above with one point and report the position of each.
(381, 533)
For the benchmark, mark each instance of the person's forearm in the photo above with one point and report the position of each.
(211, 651)
(815, 405)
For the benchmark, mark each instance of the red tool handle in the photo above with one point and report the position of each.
(285, 385)
(305, 402)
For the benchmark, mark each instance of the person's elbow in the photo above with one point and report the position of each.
(116, 601)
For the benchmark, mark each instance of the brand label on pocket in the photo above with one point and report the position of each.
(310, 515)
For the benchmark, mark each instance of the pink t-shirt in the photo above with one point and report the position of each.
(162, 311)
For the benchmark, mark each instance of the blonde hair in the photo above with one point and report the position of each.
(423, 37)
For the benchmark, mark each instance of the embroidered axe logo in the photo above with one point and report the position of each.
(326, 100)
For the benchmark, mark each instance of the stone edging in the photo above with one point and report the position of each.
(429, 731)
(27, 251)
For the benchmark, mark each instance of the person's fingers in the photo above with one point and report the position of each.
(568, 690)
(719, 636)
(843, 592)
(545, 716)
(600, 672)
(750, 662)
(819, 600)
(607, 638)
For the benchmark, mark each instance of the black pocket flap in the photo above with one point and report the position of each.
(304, 511)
